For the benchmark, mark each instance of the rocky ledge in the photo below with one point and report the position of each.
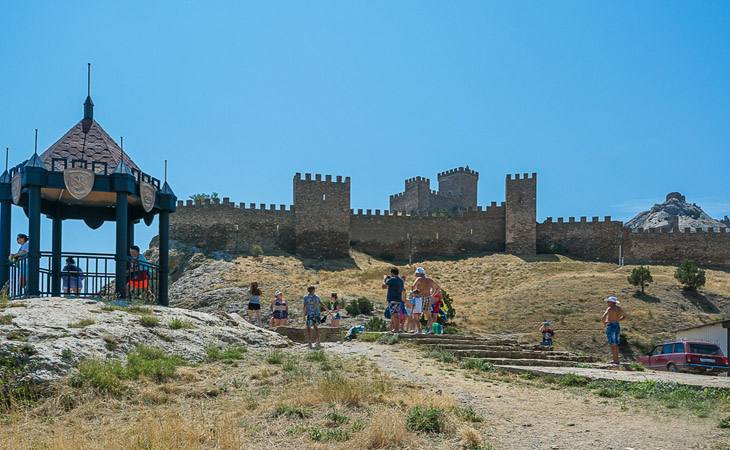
(54, 334)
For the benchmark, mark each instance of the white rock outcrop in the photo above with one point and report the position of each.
(57, 333)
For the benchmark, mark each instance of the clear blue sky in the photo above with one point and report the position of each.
(613, 103)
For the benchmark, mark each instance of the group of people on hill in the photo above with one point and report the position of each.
(406, 307)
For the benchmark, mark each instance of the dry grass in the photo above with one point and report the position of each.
(504, 293)
(322, 402)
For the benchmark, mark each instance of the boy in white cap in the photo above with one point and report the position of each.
(611, 319)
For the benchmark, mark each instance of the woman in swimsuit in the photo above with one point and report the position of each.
(280, 311)
(335, 311)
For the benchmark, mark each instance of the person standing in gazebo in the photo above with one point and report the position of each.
(72, 277)
(20, 259)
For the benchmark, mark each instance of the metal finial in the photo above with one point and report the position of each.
(121, 146)
(35, 148)
(88, 79)
(7, 154)
(165, 171)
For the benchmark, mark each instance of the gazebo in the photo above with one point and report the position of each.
(85, 176)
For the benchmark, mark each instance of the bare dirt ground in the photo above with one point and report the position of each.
(521, 416)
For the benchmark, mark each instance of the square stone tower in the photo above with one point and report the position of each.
(460, 185)
(322, 216)
(521, 214)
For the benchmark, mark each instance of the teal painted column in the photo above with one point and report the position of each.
(56, 233)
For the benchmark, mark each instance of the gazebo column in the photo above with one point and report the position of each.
(56, 256)
(164, 261)
(130, 233)
(5, 227)
(123, 185)
(120, 258)
(34, 241)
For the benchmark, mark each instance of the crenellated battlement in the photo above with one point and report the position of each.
(417, 180)
(459, 170)
(581, 220)
(317, 178)
(524, 177)
(493, 210)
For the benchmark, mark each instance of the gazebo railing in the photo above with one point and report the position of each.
(95, 277)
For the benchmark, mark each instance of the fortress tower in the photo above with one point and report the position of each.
(460, 185)
(415, 199)
(322, 216)
(521, 214)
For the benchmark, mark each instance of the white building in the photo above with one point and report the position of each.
(715, 332)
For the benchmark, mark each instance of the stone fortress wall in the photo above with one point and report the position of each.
(321, 224)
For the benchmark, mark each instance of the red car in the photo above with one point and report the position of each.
(686, 356)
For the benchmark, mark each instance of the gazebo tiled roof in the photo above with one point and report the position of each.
(94, 145)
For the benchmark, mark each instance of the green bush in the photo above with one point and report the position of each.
(368, 337)
(426, 419)
(181, 324)
(571, 379)
(641, 277)
(690, 275)
(149, 321)
(438, 353)
(317, 356)
(389, 339)
(82, 323)
(477, 364)
(151, 362)
(256, 250)
(359, 306)
(103, 376)
(137, 309)
(318, 434)
(229, 354)
(376, 324)
(291, 411)
(6, 319)
(468, 414)
(275, 357)
(724, 423)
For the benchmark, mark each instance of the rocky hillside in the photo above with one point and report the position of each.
(675, 213)
(49, 336)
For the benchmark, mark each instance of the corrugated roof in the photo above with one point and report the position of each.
(724, 322)
(95, 145)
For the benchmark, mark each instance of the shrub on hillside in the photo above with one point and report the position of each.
(256, 250)
(359, 306)
(641, 277)
(426, 419)
(376, 324)
(690, 275)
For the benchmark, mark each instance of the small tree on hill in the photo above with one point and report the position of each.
(641, 277)
(690, 275)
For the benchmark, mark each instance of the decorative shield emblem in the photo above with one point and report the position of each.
(147, 194)
(79, 182)
(16, 187)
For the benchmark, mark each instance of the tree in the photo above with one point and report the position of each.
(690, 275)
(640, 276)
(203, 196)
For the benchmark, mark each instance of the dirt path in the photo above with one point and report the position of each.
(528, 417)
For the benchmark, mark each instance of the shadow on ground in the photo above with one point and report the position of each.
(701, 301)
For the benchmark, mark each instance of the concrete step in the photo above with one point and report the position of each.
(522, 355)
(476, 346)
(538, 362)
(433, 340)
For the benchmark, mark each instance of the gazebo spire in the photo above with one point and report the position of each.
(5, 177)
(88, 104)
(166, 189)
(35, 160)
(122, 166)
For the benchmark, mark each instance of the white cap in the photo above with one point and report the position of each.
(613, 299)
(277, 293)
(420, 271)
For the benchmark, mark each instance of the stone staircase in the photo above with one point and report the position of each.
(500, 350)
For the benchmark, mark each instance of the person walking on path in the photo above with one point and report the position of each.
(612, 320)
(312, 315)
(427, 288)
(254, 304)
(395, 286)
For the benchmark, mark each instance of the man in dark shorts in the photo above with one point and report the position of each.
(395, 286)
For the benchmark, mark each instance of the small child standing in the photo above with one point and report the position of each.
(416, 311)
(547, 334)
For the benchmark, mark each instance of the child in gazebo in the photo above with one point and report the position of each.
(72, 277)
(19, 258)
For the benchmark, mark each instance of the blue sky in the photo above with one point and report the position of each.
(614, 104)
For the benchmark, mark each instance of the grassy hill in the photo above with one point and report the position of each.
(504, 293)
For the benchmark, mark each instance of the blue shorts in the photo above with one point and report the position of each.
(313, 320)
(613, 333)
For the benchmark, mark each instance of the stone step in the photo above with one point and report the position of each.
(537, 362)
(433, 340)
(522, 355)
(476, 346)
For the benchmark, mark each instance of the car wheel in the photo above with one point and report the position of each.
(672, 368)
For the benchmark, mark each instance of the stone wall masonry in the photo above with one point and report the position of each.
(594, 240)
(521, 214)
(399, 236)
(322, 218)
(708, 248)
(234, 228)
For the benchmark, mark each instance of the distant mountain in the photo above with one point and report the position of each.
(676, 213)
